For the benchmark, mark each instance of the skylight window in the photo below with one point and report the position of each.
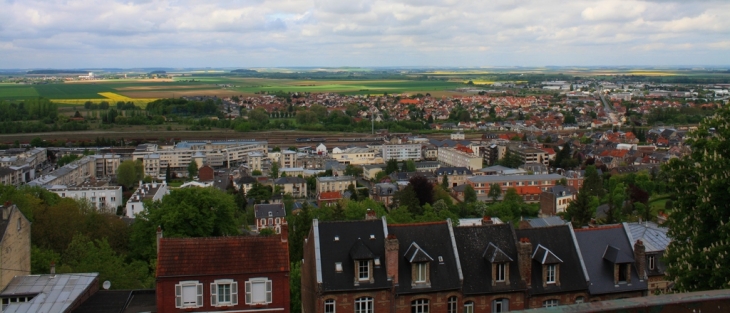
(338, 267)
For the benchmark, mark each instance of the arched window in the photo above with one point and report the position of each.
(364, 305)
(469, 307)
(451, 305)
(500, 305)
(419, 306)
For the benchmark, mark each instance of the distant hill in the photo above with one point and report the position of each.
(243, 71)
(158, 72)
(47, 72)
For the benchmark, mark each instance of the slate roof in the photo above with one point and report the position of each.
(246, 180)
(290, 180)
(655, 241)
(349, 234)
(459, 170)
(600, 247)
(53, 293)
(262, 210)
(546, 221)
(474, 244)
(122, 301)
(435, 240)
(559, 241)
(222, 256)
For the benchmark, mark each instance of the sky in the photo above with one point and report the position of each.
(364, 33)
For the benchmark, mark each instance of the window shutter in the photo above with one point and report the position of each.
(234, 293)
(178, 296)
(248, 292)
(268, 291)
(213, 294)
(505, 305)
(200, 295)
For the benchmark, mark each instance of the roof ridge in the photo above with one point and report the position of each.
(417, 224)
(602, 227)
(220, 238)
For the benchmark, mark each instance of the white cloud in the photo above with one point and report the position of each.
(134, 33)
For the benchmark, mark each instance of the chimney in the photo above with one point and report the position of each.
(487, 220)
(524, 250)
(284, 233)
(53, 269)
(640, 259)
(391, 258)
(371, 215)
(6, 210)
(159, 237)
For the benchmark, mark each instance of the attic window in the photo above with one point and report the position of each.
(338, 267)
(441, 259)
(337, 238)
(372, 237)
(376, 261)
(271, 213)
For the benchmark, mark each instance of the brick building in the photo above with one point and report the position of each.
(237, 274)
(271, 216)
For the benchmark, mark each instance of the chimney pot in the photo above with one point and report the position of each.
(53, 268)
(487, 220)
(391, 257)
(524, 250)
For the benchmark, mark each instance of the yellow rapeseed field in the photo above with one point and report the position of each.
(113, 98)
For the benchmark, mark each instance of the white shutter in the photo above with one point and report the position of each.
(200, 295)
(268, 291)
(178, 296)
(213, 294)
(248, 292)
(234, 293)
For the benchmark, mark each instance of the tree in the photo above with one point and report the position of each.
(37, 142)
(391, 166)
(407, 198)
(699, 220)
(582, 209)
(495, 190)
(593, 183)
(470, 195)
(275, 170)
(445, 182)
(192, 169)
(410, 166)
(128, 174)
(168, 174)
(295, 287)
(423, 188)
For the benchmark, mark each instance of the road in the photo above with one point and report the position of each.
(612, 117)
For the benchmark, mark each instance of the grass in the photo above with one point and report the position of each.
(345, 86)
(15, 91)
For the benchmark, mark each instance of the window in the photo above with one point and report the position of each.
(188, 294)
(329, 306)
(364, 305)
(224, 292)
(452, 305)
(500, 305)
(652, 260)
(550, 303)
(278, 221)
(622, 273)
(580, 299)
(263, 222)
(421, 272)
(419, 306)
(258, 291)
(550, 275)
(500, 272)
(363, 270)
(469, 307)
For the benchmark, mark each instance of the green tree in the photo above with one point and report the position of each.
(259, 118)
(192, 169)
(168, 174)
(699, 220)
(37, 142)
(391, 166)
(593, 183)
(445, 182)
(495, 190)
(582, 209)
(274, 170)
(407, 198)
(295, 287)
(470, 195)
(128, 174)
(511, 160)
(410, 166)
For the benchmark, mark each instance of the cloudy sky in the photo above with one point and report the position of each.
(285, 33)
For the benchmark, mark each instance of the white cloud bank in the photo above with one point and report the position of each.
(266, 33)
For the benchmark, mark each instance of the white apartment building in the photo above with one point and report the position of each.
(533, 155)
(216, 153)
(151, 192)
(357, 156)
(255, 159)
(288, 159)
(71, 174)
(459, 157)
(104, 199)
(402, 152)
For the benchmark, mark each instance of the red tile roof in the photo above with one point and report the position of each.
(330, 195)
(222, 255)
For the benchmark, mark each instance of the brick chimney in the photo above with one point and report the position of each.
(487, 220)
(284, 233)
(371, 215)
(391, 258)
(640, 259)
(524, 250)
(53, 269)
(159, 237)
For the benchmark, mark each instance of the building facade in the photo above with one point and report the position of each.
(402, 152)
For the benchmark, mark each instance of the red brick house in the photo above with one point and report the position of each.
(329, 198)
(238, 274)
(206, 173)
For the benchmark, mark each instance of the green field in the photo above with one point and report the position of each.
(14, 91)
(345, 86)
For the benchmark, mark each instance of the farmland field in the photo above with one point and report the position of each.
(14, 91)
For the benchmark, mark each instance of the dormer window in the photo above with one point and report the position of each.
(363, 270)
(271, 214)
(421, 272)
(621, 264)
(550, 265)
(499, 262)
(363, 261)
(420, 265)
(652, 262)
